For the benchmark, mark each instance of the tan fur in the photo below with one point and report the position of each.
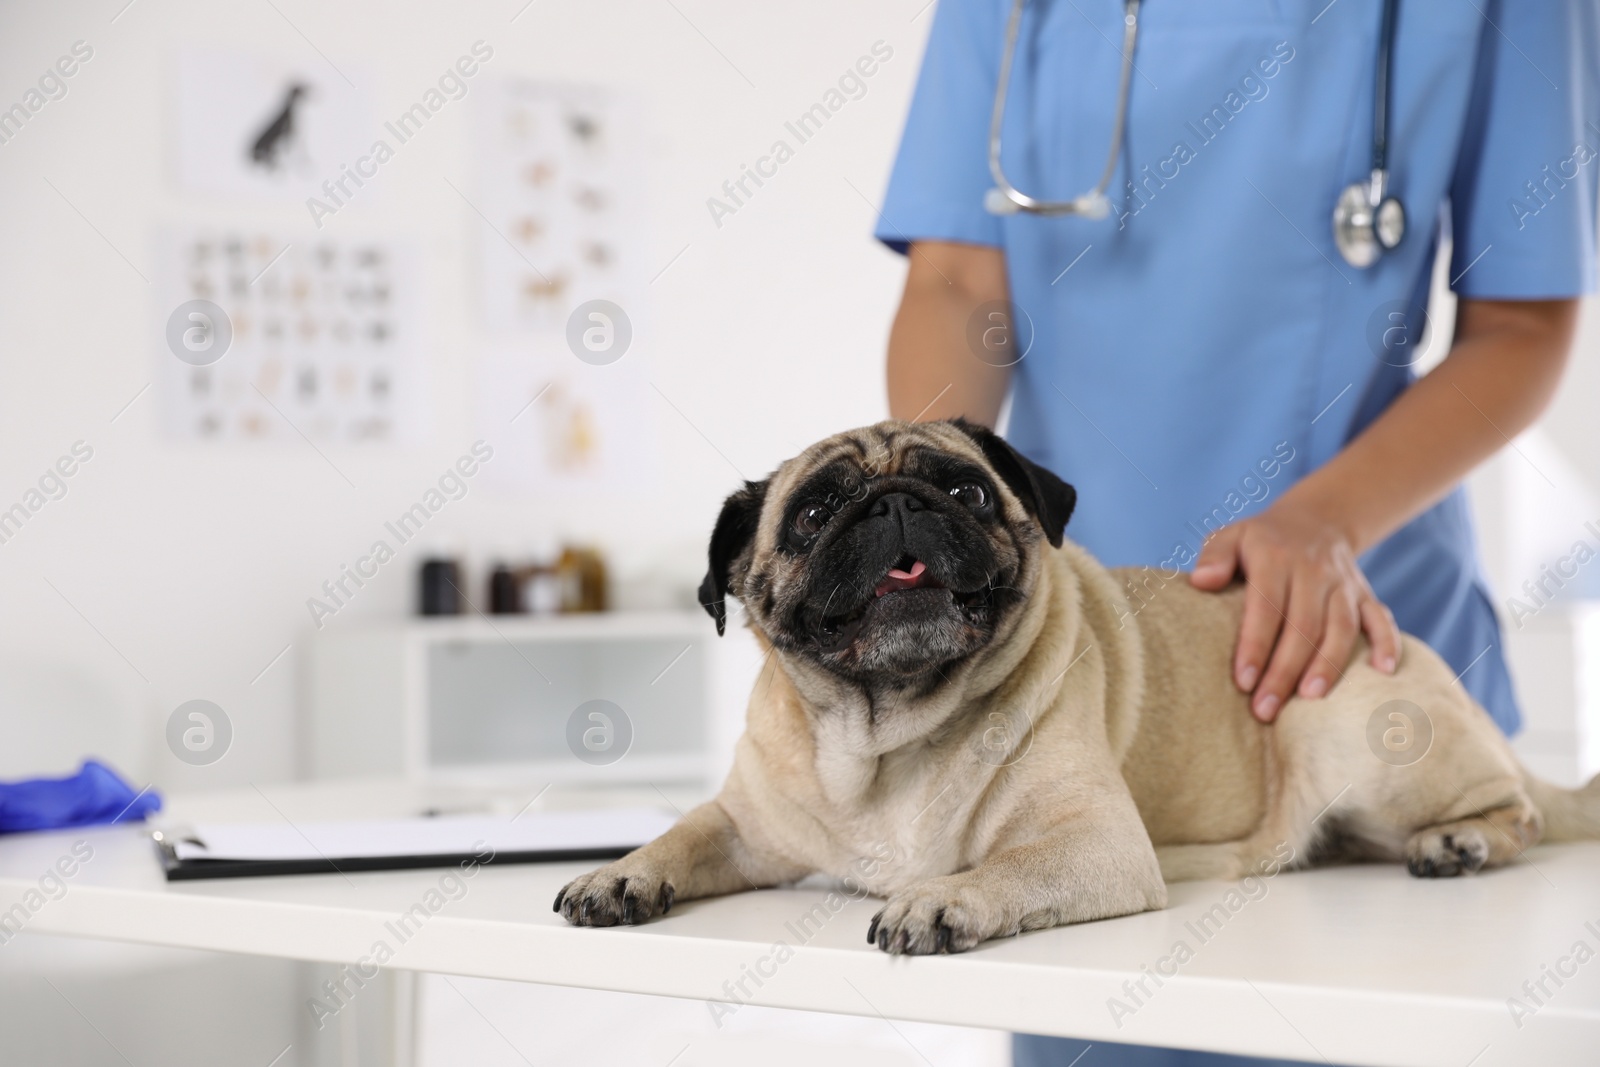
(1094, 751)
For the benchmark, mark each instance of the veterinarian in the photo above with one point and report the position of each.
(1196, 251)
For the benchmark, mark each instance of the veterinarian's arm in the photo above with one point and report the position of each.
(1299, 555)
(933, 374)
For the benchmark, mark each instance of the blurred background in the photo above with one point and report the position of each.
(407, 356)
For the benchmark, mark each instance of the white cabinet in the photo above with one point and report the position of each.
(605, 698)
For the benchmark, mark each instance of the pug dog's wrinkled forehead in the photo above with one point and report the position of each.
(848, 462)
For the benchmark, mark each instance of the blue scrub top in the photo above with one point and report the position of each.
(1206, 346)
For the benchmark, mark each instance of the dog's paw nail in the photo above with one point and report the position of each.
(1447, 855)
(557, 908)
(872, 931)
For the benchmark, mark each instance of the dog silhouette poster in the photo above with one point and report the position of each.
(259, 125)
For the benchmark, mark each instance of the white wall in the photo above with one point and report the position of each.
(1533, 503)
(182, 571)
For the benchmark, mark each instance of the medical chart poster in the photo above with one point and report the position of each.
(265, 336)
(559, 184)
(559, 188)
(559, 424)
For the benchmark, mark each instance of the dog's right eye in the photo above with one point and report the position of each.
(809, 520)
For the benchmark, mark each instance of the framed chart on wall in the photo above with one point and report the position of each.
(559, 181)
(256, 124)
(269, 339)
(560, 189)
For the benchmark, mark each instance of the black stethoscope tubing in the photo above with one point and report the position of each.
(1367, 221)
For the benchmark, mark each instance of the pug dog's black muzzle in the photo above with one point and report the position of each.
(906, 551)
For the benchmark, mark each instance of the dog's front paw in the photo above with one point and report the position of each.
(937, 916)
(1439, 854)
(626, 892)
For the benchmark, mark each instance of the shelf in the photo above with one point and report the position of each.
(513, 696)
(605, 625)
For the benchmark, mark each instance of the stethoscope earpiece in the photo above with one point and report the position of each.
(996, 202)
(1091, 205)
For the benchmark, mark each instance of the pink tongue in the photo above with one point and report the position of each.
(899, 579)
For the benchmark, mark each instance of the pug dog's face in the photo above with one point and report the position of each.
(888, 553)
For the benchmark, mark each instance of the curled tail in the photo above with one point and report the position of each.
(1569, 814)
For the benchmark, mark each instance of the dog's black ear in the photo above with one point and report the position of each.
(1049, 498)
(736, 528)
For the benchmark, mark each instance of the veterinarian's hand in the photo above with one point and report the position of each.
(1305, 604)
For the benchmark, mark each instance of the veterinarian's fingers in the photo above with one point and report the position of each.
(1264, 600)
(1219, 558)
(1341, 627)
(1382, 633)
(1308, 600)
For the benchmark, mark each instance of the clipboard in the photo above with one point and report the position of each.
(248, 850)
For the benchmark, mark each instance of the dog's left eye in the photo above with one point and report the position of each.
(971, 494)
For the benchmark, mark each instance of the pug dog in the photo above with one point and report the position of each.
(964, 713)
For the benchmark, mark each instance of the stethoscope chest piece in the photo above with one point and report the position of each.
(1367, 223)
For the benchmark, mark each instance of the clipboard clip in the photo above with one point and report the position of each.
(167, 846)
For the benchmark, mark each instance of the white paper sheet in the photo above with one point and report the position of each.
(441, 835)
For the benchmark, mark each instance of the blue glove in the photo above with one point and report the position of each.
(92, 796)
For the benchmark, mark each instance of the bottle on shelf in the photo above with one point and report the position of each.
(541, 584)
(439, 586)
(505, 592)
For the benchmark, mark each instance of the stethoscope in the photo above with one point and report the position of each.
(1367, 220)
